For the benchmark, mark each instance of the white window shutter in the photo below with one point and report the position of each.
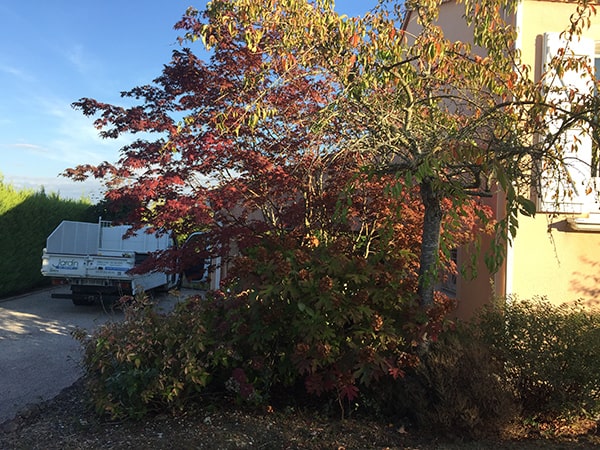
(572, 193)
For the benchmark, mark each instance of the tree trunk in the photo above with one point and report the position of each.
(430, 246)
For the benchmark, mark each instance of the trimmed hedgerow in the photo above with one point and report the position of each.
(26, 219)
(551, 354)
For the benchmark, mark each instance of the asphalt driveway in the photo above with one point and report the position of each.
(38, 355)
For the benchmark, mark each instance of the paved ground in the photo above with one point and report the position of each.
(38, 356)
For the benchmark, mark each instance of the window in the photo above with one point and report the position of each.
(450, 278)
(575, 190)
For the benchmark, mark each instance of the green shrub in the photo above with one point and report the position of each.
(149, 362)
(551, 354)
(519, 359)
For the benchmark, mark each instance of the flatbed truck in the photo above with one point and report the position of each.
(96, 260)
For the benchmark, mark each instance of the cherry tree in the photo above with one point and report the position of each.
(457, 120)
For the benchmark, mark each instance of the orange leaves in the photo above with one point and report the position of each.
(436, 49)
(352, 60)
(289, 61)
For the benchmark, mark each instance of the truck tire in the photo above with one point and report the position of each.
(82, 300)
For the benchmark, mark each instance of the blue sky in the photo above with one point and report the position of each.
(55, 52)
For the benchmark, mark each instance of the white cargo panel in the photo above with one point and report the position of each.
(111, 268)
(73, 266)
(63, 265)
(74, 238)
(82, 238)
(148, 281)
(112, 241)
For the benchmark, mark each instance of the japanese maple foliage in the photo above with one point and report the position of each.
(197, 174)
(220, 163)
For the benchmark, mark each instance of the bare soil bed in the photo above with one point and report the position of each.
(68, 423)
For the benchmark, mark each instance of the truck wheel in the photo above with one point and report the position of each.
(82, 300)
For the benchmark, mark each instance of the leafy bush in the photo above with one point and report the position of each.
(455, 389)
(345, 328)
(315, 314)
(315, 318)
(551, 354)
(520, 358)
(149, 362)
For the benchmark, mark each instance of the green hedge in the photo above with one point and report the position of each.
(27, 218)
(550, 353)
(524, 361)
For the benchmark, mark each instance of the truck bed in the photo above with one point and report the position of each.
(97, 258)
(87, 266)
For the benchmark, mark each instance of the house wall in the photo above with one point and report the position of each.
(561, 265)
(475, 291)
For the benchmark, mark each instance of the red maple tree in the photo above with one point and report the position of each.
(208, 160)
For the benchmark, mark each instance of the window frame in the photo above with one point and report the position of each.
(575, 199)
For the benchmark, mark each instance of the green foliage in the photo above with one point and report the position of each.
(551, 354)
(313, 317)
(148, 363)
(522, 359)
(26, 219)
(349, 338)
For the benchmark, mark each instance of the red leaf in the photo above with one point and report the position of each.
(349, 392)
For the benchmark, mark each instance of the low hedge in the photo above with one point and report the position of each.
(519, 360)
